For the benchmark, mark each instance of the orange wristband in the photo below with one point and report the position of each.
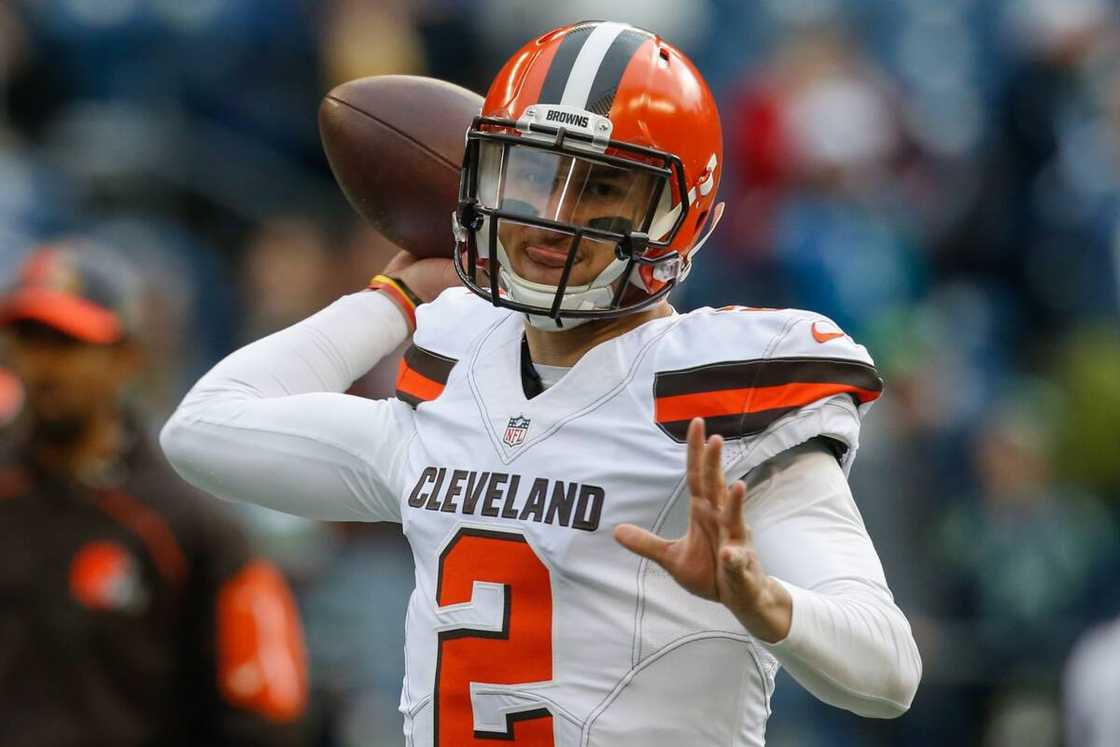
(399, 292)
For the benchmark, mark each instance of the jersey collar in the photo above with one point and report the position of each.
(505, 395)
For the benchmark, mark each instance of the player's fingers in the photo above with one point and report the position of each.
(732, 509)
(713, 473)
(642, 542)
(695, 461)
(735, 565)
(704, 517)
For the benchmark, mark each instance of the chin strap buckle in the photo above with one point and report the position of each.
(463, 219)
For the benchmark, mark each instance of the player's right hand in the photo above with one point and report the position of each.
(716, 559)
(427, 278)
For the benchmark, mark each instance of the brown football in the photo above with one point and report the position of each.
(395, 145)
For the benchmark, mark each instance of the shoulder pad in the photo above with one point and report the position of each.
(450, 323)
(445, 330)
(742, 369)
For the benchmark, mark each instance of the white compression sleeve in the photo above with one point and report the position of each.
(849, 644)
(269, 425)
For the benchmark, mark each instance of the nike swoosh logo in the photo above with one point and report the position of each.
(824, 336)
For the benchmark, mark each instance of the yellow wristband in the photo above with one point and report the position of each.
(399, 292)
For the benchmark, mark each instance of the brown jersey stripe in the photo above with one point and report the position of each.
(428, 364)
(409, 399)
(766, 373)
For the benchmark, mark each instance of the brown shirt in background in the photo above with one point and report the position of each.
(136, 614)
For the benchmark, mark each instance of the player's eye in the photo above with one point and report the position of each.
(604, 188)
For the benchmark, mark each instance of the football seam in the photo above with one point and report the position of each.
(398, 131)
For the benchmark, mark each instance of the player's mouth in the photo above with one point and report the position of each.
(547, 256)
(541, 263)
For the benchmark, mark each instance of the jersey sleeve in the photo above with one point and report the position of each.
(849, 644)
(445, 329)
(779, 379)
(817, 381)
(269, 424)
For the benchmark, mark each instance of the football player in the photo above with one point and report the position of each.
(559, 448)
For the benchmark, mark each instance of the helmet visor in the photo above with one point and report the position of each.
(534, 183)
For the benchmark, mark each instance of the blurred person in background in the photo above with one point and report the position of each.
(1018, 557)
(815, 135)
(133, 612)
(1043, 229)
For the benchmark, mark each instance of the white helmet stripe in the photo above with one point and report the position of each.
(587, 63)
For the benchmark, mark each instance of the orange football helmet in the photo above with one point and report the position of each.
(594, 132)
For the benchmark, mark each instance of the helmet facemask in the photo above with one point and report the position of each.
(557, 204)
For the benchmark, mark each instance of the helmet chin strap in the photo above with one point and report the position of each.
(548, 324)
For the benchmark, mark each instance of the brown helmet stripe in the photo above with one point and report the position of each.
(589, 63)
(609, 75)
(561, 67)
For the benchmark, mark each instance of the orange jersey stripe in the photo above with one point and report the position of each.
(411, 381)
(750, 399)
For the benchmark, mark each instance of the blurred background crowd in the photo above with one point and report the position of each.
(941, 178)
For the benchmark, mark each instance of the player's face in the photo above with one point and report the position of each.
(573, 191)
(66, 380)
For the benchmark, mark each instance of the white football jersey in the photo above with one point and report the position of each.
(528, 621)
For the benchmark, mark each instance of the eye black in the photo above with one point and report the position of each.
(613, 223)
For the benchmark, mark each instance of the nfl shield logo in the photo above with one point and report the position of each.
(515, 430)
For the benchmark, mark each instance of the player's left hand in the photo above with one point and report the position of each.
(427, 277)
(716, 558)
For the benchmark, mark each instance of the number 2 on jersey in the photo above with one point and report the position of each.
(521, 652)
